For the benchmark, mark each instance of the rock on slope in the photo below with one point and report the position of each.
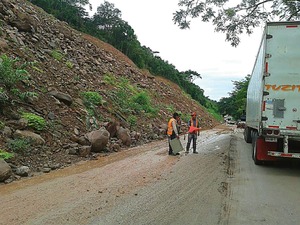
(67, 63)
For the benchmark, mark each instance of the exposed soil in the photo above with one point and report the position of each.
(141, 185)
(92, 59)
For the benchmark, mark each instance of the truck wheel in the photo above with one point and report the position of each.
(247, 135)
(254, 149)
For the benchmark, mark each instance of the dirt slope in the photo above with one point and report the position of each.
(69, 63)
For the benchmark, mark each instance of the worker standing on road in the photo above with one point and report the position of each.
(172, 131)
(193, 132)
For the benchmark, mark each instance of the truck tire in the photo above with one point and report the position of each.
(247, 135)
(254, 149)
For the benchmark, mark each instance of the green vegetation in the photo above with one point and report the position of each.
(5, 155)
(56, 54)
(124, 83)
(217, 116)
(2, 125)
(235, 105)
(3, 97)
(77, 78)
(10, 72)
(132, 120)
(91, 100)
(19, 145)
(141, 102)
(69, 64)
(34, 121)
(109, 79)
(33, 66)
(120, 99)
(129, 99)
(185, 117)
(24, 96)
(213, 109)
(233, 20)
(171, 109)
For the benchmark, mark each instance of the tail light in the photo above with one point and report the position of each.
(274, 132)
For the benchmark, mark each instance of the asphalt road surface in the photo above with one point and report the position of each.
(267, 194)
(144, 185)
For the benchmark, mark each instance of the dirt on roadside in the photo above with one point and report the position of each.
(120, 187)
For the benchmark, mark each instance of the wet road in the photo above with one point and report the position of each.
(144, 185)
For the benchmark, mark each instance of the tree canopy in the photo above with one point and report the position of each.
(233, 20)
(235, 105)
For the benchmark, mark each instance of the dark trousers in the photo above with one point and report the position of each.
(190, 138)
(173, 136)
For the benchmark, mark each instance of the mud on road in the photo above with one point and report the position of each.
(142, 185)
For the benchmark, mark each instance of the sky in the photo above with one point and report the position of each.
(198, 49)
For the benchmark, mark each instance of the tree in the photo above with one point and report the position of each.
(238, 19)
(71, 11)
(190, 75)
(235, 105)
(107, 16)
(226, 106)
(240, 96)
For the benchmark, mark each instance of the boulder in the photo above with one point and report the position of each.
(23, 171)
(98, 139)
(124, 136)
(5, 170)
(112, 128)
(36, 138)
(63, 97)
(84, 151)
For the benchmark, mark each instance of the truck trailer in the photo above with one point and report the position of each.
(273, 95)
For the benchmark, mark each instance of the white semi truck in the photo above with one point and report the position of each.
(273, 95)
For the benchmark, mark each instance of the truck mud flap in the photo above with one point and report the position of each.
(262, 149)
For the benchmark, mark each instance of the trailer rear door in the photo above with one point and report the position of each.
(281, 100)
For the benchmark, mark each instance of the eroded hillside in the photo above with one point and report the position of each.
(64, 64)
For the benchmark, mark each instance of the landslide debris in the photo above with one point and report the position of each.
(64, 65)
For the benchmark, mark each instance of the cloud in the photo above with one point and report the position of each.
(200, 48)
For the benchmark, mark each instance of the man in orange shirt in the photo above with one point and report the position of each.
(193, 132)
(172, 131)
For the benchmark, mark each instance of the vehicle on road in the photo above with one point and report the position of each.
(241, 123)
(229, 120)
(273, 109)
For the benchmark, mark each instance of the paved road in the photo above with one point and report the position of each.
(267, 194)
